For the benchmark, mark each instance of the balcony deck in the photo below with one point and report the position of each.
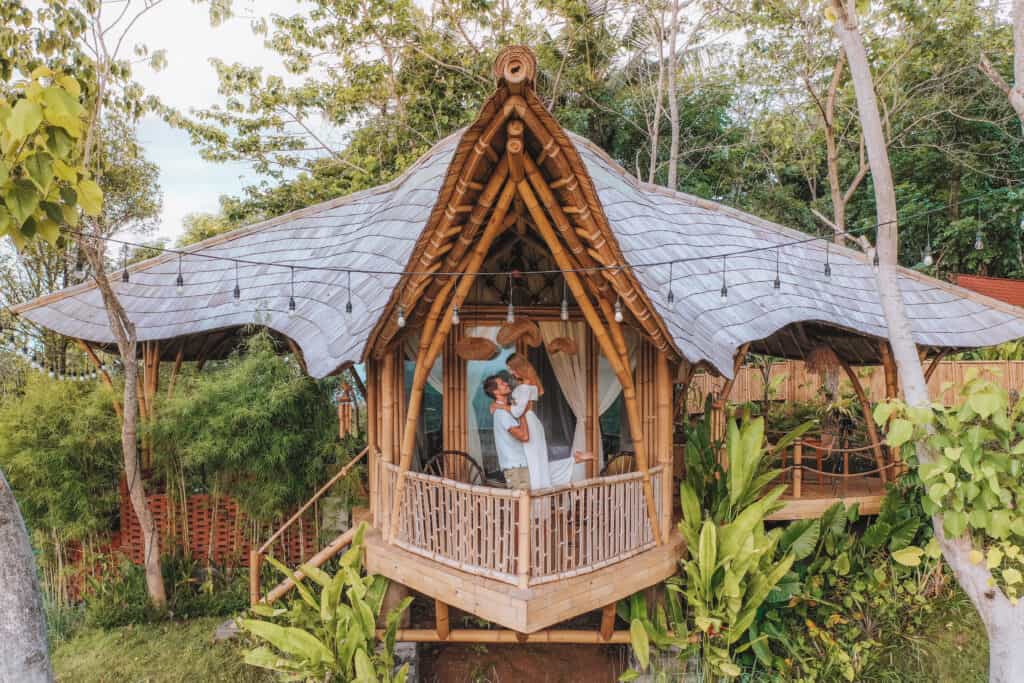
(535, 607)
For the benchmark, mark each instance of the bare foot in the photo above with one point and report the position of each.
(581, 456)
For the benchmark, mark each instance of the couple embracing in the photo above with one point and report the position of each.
(518, 432)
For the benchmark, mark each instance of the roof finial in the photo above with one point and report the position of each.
(515, 65)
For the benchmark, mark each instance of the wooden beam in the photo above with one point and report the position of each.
(892, 382)
(665, 430)
(608, 622)
(934, 365)
(593, 402)
(493, 636)
(442, 626)
(357, 381)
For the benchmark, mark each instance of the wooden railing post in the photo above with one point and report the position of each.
(798, 462)
(523, 565)
(255, 563)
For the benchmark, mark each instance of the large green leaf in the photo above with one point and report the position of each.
(289, 639)
(40, 170)
(24, 119)
(90, 197)
(801, 538)
(900, 432)
(640, 643)
(22, 200)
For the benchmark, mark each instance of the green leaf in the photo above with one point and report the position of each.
(289, 639)
(40, 170)
(48, 230)
(876, 534)
(900, 432)
(90, 197)
(630, 675)
(984, 404)
(842, 565)
(22, 201)
(954, 523)
(25, 119)
(883, 411)
(909, 556)
(640, 643)
(800, 538)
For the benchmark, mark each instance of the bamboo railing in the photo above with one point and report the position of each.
(806, 460)
(256, 556)
(520, 537)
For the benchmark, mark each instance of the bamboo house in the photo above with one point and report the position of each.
(514, 234)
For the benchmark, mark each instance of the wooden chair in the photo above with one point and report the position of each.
(457, 466)
(620, 464)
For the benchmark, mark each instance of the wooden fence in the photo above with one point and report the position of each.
(801, 384)
(521, 537)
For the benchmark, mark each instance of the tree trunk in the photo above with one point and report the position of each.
(659, 95)
(1004, 622)
(1014, 93)
(124, 332)
(673, 102)
(24, 651)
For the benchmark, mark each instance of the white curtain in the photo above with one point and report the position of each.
(571, 372)
(474, 377)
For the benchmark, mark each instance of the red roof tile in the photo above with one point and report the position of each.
(1002, 288)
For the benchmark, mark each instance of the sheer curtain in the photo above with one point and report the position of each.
(475, 373)
(571, 373)
(609, 388)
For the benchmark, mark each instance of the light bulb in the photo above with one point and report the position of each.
(979, 244)
(455, 316)
(928, 260)
(348, 307)
(52, 374)
(828, 269)
(618, 310)
(124, 276)
(401, 316)
(777, 284)
(237, 295)
(671, 296)
(874, 263)
(724, 293)
(510, 314)
(79, 268)
(179, 285)
(291, 305)
(564, 312)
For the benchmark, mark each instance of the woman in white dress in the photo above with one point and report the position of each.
(528, 389)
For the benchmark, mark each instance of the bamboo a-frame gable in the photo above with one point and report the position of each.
(427, 221)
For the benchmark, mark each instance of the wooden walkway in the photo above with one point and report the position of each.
(816, 497)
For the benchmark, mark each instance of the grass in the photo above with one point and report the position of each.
(166, 652)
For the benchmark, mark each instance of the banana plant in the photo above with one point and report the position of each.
(333, 635)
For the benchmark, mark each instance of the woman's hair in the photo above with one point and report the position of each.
(519, 364)
(490, 384)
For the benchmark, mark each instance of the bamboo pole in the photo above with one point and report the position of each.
(255, 560)
(934, 365)
(892, 390)
(493, 636)
(443, 626)
(607, 622)
(435, 338)
(798, 470)
(523, 548)
(387, 408)
(601, 335)
(666, 424)
(593, 403)
(869, 418)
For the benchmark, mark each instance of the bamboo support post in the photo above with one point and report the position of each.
(607, 622)
(255, 562)
(523, 545)
(892, 390)
(443, 626)
(798, 471)
(665, 428)
(869, 418)
(494, 636)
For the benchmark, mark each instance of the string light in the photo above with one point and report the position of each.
(778, 280)
(979, 244)
(348, 302)
(179, 284)
(563, 313)
(236, 294)
(671, 294)
(618, 310)
(927, 259)
(510, 313)
(401, 316)
(828, 263)
(291, 296)
(724, 293)
(124, 263)
(455, 316)
(79, 266)
(875, 262)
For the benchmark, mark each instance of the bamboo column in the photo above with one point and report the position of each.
(372, 395)
(523, 534)
(665, 428)
(432, 337)
(593, 402)
(869, 418)
(601, 334)
(453, 397)
(387, 408)
(892, 388)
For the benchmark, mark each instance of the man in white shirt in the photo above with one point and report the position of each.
(509, 435)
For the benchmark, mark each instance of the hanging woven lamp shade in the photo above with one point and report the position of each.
(476, 348)
(521, 328)
(566, 345)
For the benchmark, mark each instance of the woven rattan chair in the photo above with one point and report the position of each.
(620, 464)
(455, 465)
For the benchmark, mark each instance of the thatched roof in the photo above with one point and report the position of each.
(394, 228)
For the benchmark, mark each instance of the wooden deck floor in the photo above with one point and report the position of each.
(532, 609)
(816, 497)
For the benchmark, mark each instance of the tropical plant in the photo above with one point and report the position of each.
(333, 635)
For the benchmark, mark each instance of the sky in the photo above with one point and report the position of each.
(191, 184)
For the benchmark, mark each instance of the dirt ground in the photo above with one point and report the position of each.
(459, 663)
